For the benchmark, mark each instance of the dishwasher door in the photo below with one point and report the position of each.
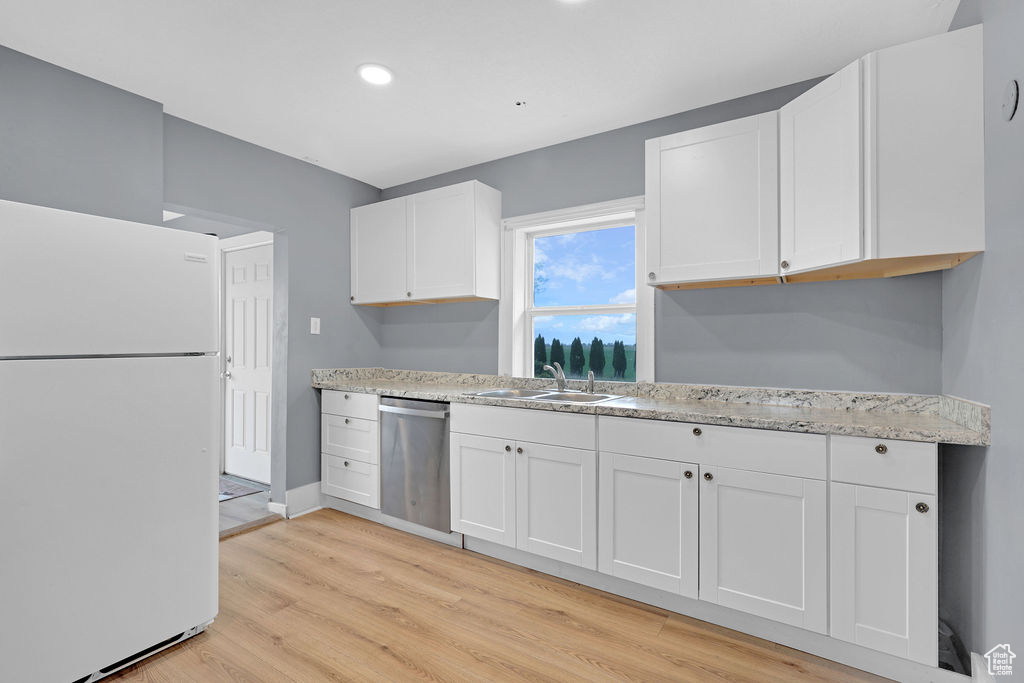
(414, 462)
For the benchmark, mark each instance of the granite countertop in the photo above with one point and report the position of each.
(910, 417)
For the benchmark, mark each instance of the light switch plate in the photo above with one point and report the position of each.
(314, 325)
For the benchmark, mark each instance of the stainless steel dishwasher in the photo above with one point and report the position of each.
(414, 461)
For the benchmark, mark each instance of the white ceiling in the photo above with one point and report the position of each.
(282, 73)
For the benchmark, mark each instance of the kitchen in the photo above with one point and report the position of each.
(109, 147)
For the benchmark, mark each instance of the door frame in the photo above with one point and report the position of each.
(260, 238)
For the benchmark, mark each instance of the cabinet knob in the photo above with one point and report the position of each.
(708, 476)
(785, 265)
(697, 431)
(519, 450)
(651, 275)
(346, 395)
(881, 449)
(688, 474)
(351, 298)
(346, 463)
(346, 420)
(508, 449)
(921, 507)
(408, 293)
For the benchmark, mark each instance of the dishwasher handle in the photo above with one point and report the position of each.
(439, 414)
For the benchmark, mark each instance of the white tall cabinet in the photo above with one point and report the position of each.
(438, 245)
(712, 203)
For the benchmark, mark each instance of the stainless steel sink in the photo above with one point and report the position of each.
(576, 397)
(511, 393)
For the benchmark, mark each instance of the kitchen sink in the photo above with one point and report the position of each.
(511, 393)
(576, 397)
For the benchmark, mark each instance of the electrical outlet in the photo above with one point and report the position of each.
(314, 325)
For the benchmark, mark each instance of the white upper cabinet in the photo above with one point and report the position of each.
(438, 245)
(378, 252)
(712, 203)
(881, 165)
(820, 169)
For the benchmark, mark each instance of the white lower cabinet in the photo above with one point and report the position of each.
(884, 570)
(556, 503)
(350, 447)
(648, 522)
(763, 545)
(483, 487)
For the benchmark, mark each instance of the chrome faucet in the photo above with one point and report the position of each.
(590, 381)
(557, 373)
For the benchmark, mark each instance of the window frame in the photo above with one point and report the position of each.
(516, 310)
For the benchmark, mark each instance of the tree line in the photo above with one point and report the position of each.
(578, 358)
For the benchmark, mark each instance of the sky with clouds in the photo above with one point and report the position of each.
(596, 267)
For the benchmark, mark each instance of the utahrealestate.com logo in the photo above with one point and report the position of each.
(1000, 660)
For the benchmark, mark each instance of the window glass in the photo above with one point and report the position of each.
(594, 267)
(606, 344)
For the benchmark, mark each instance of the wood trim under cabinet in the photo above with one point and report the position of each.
(884, 267)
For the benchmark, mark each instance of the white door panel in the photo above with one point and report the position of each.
(763, 546)
(248, 305)
(76, 284)
(108, 472)
(884, 592)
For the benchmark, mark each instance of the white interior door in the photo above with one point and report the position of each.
(248, 324)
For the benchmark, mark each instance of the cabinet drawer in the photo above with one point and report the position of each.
(349, 437)
(349, 404)
(351, 480)
(886, 463)
(574, 430)
(757, 450)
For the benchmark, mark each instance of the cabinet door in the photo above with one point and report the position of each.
(820, 174)
(441, 242)
(884, 571)
(378, 242)
(763, 545)
(556, 503)
(483, 488)
(712, 202)
(648, 522)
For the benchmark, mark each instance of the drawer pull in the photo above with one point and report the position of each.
(346, 420)
(346, 463)
(519, 450)
(697, 431)
(346, 395)
(708, 476)
(881, 449)
(508, 449)
(921, 507)
(688, 474)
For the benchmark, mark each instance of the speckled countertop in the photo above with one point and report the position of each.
(910, 417)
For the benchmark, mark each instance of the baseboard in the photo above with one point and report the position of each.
(302, 499)
(374, 515)
(278, 508)
(797, 638)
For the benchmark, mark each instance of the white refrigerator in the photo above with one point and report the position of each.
(108, 457)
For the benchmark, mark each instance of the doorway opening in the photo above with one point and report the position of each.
(247, 321)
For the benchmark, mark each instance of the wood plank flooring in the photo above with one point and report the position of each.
(331, 597)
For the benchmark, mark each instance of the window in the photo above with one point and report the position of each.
(570, 294)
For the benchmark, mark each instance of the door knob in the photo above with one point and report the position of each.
(708, 476)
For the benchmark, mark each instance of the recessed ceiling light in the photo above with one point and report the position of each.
(375, 74)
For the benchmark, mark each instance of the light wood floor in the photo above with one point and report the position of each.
(328, 596)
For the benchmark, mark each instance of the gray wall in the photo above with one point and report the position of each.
(73, 143)
(983, 359)
(308, 209)
(867, 335)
